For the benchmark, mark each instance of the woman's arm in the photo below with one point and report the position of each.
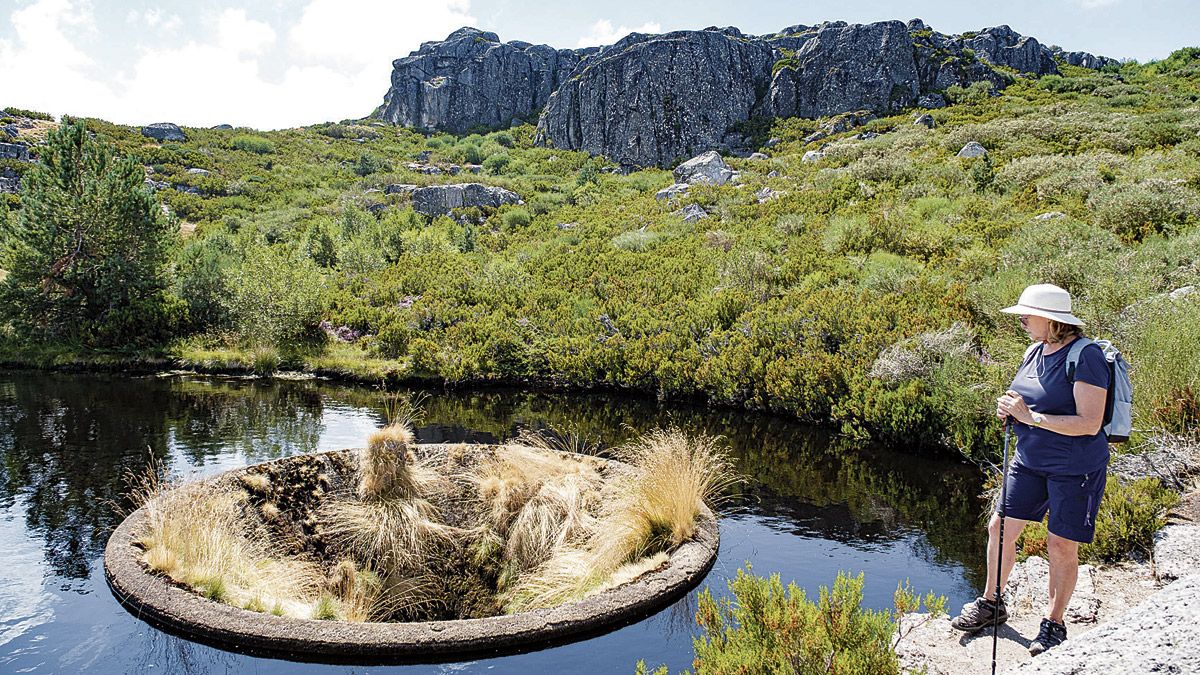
(1088, 417)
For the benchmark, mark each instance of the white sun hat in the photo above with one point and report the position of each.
(1045, 300)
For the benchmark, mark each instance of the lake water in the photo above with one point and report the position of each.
(811, 506)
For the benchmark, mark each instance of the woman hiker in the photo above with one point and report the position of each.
(1060, 463)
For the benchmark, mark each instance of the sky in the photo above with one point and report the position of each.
(282, 63)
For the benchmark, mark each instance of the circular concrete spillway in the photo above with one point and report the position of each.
(180, 610)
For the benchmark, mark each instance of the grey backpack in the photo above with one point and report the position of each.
(1118, 406)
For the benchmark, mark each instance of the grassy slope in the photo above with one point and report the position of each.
(865, 295)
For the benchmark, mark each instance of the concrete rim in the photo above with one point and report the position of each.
(155, 599)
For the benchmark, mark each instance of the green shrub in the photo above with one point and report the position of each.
(368, 164)
(276, 295)
(31, 114)
(976, 92)
(1153, 206)
(766, 628)
(1165, 338)
(636, 241)
(515, 218)
(255, 144)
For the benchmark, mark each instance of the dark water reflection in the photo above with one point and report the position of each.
(811, 507)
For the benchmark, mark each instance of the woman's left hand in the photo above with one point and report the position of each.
(1012, 405)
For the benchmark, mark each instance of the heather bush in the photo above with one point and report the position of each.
(1152, 206)
(255, 144)
(767, 628)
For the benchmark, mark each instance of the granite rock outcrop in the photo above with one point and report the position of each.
(471, 79)
(658, 99)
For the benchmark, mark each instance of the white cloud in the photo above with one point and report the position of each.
(155, 19)
(374, 32)
(341, 53)
(603, 33)
(239, 34)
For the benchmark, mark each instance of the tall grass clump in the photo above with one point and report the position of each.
(532, 503)
(646, 509)
(388, 524)
(198, 534)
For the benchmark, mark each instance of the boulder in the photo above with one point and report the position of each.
(766, 194)
(10, 130)
(773, 174)
(400, 188)
(772, 142)
(672, 192)
(437, 200)
(471, 79)
(9, 182)
(925, 120)
(972, 150)
(223, 127)
(1158, 636)
(164, 131)
(198, 172)
(649, 99)
(758, 156)
(707, 168)
(813, 156)
(1050, 215)
(17, 151)
(1084, 59)
(866, 135)
(692, 213)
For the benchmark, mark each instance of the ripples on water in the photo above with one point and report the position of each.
(811, 507)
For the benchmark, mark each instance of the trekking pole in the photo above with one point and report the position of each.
(1000, 542)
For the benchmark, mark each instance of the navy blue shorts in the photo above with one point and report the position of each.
(1072, 501)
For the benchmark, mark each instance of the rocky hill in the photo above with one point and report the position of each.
(654, 99)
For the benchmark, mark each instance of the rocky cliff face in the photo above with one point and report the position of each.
(650, 99)
(655, 99)
(471, 79)
(838, 67)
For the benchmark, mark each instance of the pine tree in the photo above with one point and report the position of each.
(87, 256)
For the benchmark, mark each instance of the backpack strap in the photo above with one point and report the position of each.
(1073, 356)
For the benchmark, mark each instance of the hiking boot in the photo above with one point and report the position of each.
(979, 615)
(1051, 634)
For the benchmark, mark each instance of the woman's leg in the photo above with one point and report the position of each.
(1064, 572)
(1012, 529)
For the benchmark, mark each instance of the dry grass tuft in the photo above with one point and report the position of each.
(384, 466)
(645, 510)
(531, 503)
(256, 482)
(395, 535)
(551, 527)
(197, 534)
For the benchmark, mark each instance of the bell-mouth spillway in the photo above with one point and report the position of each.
(169, 605)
